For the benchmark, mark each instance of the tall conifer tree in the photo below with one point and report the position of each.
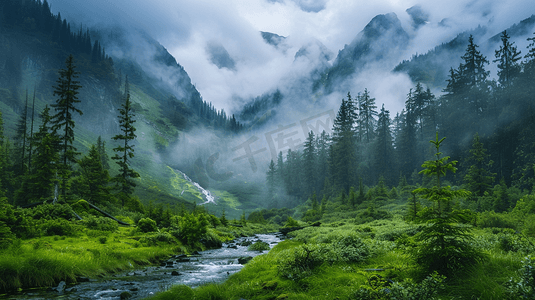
(125, 151)
(63, 121)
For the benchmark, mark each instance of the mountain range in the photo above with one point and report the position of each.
(34, 43)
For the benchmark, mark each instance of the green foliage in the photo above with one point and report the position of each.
(176, 292)
(191, 227)
(377, 287)
(125, 152)
(444, 242)
(147, 225)
(101, 223)
(290, 222)
(523, 287)
(60, 227)
(258, 246)
(67, 91)
(52, 211)
(299, 262)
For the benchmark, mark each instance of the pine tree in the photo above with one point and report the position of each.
(271, 180)
(21, 139)
(125, 152)
(344, 146)
(45, 161)
(63, 121)
(101, 147)
(92, 184)
(383, 157)
(507, 58)
(474, 78)
(445, 243)
(309, 164)
(367, 114)
(478, 177)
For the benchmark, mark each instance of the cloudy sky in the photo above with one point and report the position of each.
(186, 27)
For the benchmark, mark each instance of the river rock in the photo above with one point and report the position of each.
(232, 246)
(175, 273)
(244, 259)
(60, 288)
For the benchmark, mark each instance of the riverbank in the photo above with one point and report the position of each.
(345, 260)
(91, 254)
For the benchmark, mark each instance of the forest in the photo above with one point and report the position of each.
(434, 202)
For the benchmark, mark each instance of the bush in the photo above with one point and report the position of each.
(290, 222)
(258, 246)
(523, 287)
(58, 227)
(379, 288)
(491, 219)
(299, 262)
(147, 225)
(350, 248)
(155, 239)
(100, 223)
(52, 211)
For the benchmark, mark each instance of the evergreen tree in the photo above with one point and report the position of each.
(367, 114)
(41, 182)
(406, 141)
(322, 161)
(309, 164)
(63, 121)
(271, 178)
(445, 243)
(101, 147)
(125, 151)
(478, 177)
(92, 184)
(21, 139)
(344, 150)
(383, 153)
(474, 78)
(507, 58)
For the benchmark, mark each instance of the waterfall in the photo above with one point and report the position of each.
(206, 193)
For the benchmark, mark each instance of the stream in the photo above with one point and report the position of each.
(211, 266)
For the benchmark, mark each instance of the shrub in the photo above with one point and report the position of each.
(350, 248)
(491, 219)
(299, 262)
(377, 287)
(100, 223)
(58, 227)
(52, 211)
(258, 246)
(524, 286)
(147, 225)
(290, 222)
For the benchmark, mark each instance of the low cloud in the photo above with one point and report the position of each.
(187, 27)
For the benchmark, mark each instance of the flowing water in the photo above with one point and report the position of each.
(211, 266)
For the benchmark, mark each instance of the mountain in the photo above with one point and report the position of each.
(220, 57)
(382, 37)
(34, 44)
(432, 67)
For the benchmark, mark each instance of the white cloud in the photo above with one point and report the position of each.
(185, 27)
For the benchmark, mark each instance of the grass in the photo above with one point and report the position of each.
(389, 244)
(47, 260)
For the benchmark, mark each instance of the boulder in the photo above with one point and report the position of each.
(244, 259)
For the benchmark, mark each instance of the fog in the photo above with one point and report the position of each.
(196, 32)
(185, 28)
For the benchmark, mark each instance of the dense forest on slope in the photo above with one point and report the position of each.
(488, 124)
